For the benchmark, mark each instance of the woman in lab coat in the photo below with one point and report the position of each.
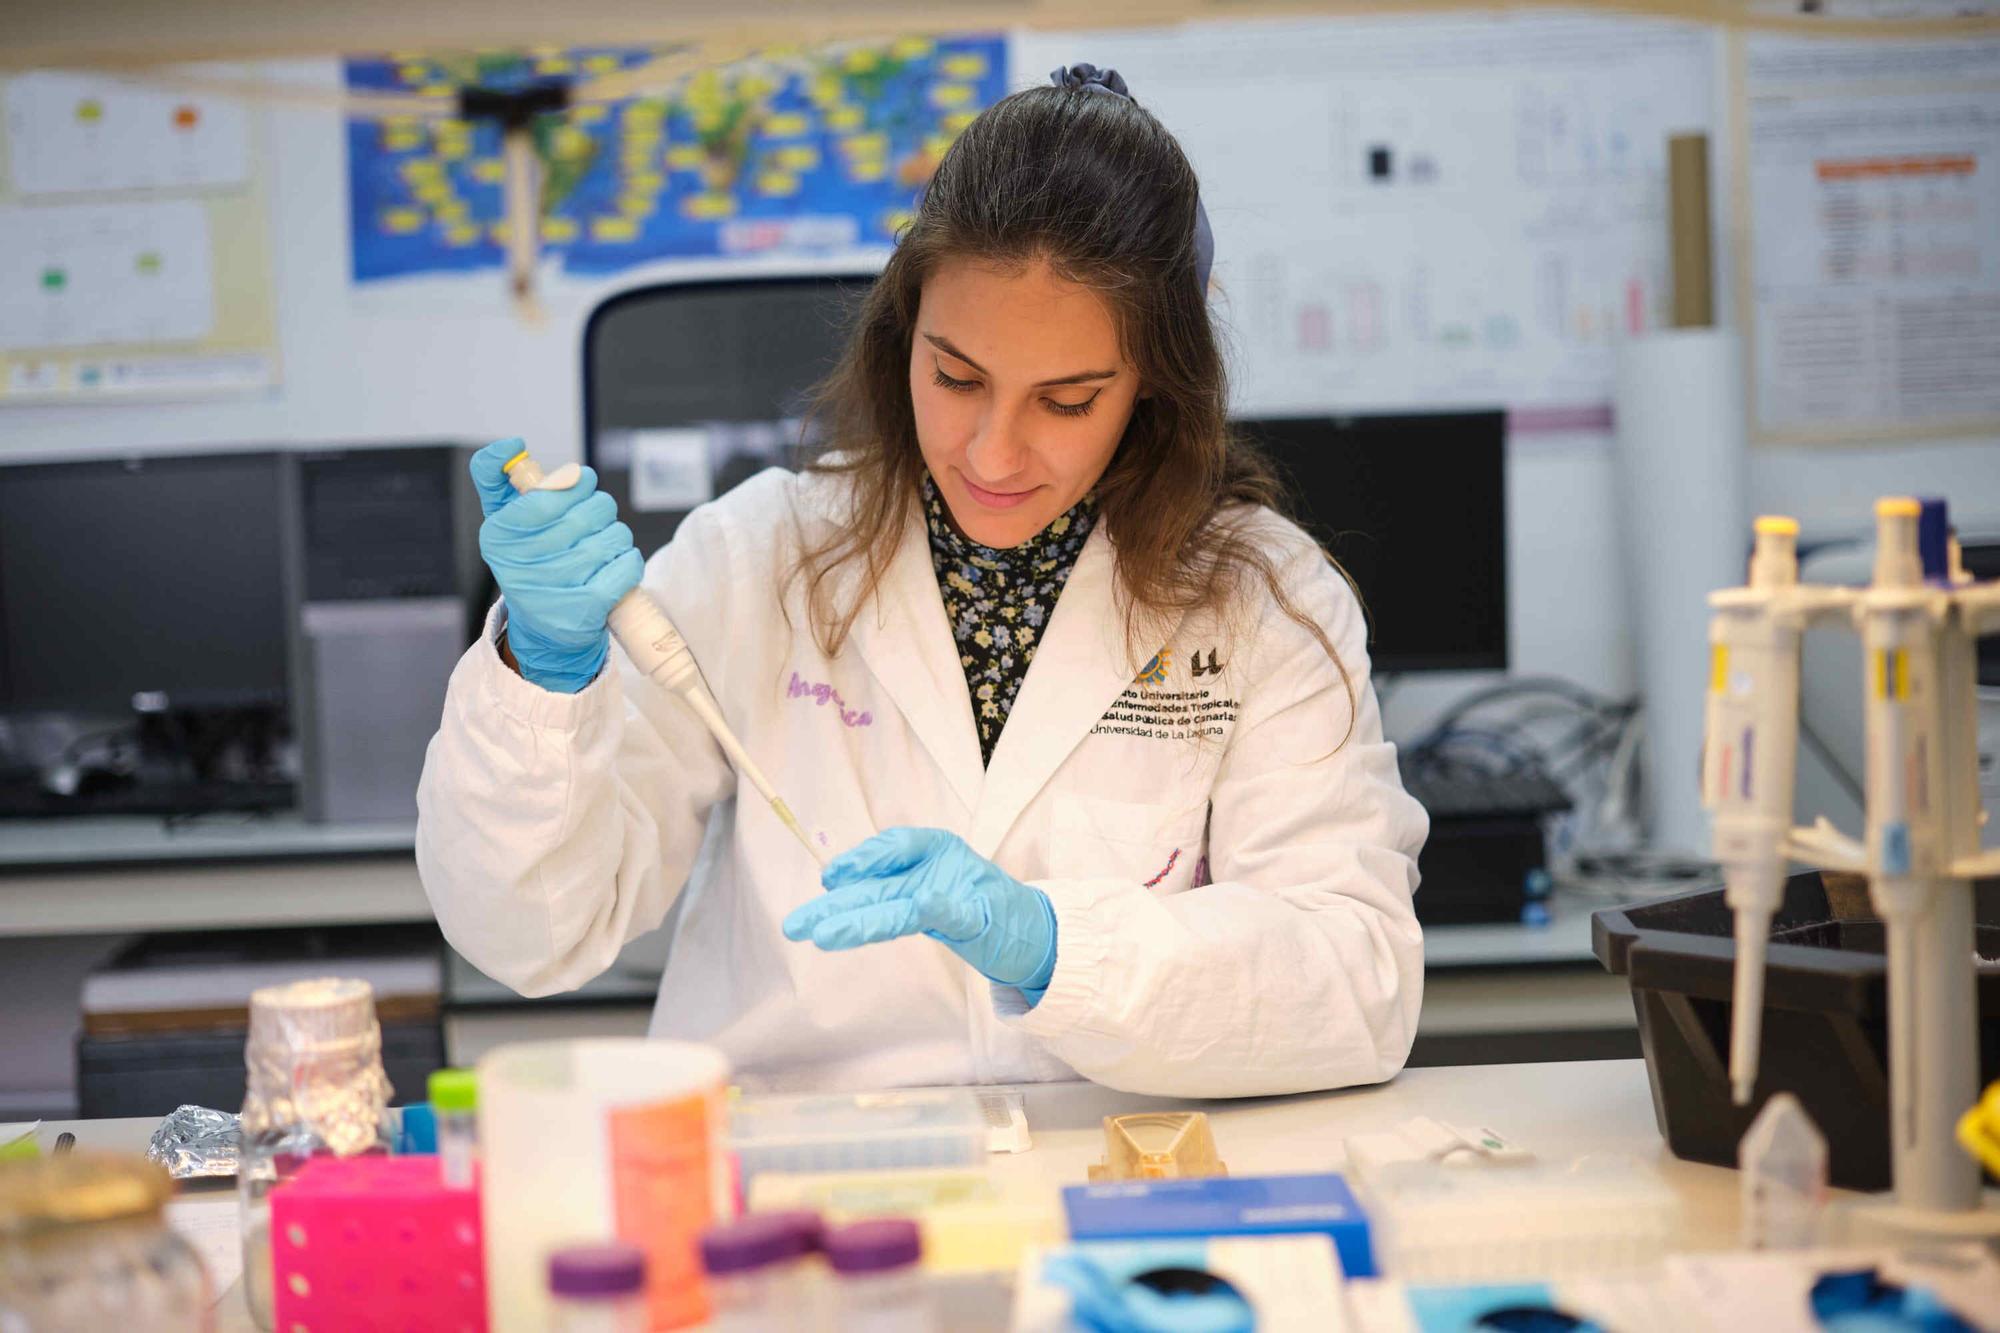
(1088, 723)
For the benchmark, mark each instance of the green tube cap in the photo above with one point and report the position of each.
(454, 1090)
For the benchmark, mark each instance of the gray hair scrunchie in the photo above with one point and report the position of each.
(1090, 79)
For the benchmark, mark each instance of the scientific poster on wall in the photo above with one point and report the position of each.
(1421, 212)
(1873, 195)
(134, 253)
(810, 151)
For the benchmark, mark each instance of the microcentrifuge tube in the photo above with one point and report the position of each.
(1782, 1159)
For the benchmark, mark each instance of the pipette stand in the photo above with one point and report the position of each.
(1918, 621)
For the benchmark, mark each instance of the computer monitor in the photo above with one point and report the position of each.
(158, 580)
(1413, 507)
(691, 387)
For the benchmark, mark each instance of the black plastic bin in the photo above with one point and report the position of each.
(1825, 1016)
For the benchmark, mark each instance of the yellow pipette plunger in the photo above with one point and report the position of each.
(658, 649)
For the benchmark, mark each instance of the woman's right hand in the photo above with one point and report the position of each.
(562, 560)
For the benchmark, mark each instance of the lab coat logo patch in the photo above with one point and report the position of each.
(1202, 712)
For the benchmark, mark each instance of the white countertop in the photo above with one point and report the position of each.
(1557, 1110)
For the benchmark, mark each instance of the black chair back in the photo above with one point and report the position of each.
(692, 387)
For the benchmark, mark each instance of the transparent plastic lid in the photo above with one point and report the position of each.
(853, 1131)
(1610, 1180)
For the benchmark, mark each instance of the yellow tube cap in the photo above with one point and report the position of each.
(1776, 525)
(1897, 506)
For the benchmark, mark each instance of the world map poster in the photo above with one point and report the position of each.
(802, 150)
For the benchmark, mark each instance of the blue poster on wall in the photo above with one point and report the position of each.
(806, 150)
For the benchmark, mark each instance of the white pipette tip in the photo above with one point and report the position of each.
(1746, 1025)
(791, 821)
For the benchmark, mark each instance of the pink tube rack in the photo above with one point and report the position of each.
(376, 1245)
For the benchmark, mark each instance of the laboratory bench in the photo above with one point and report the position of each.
(126, 873)
(1558, 1111)
(140, 840)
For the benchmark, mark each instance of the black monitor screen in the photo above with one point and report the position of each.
(1413, 507)
(141, 576)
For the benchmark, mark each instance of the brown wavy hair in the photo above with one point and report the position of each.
(1097, 188)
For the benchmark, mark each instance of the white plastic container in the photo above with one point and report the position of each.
(858, 1131)
(611, 1138)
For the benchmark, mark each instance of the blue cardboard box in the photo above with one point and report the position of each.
(1225, 1206)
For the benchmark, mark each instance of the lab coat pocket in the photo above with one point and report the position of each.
(1156, 846)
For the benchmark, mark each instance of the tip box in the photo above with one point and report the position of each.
(1225, 1206)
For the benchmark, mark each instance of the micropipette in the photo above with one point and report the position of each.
(1748, 765)
(658, 649)
(1911, 835)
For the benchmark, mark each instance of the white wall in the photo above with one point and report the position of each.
(355, 371)
(44, 982)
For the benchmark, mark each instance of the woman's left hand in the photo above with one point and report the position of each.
(908, 881)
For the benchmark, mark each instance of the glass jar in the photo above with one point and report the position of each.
(314, 1087)
(84, 1245)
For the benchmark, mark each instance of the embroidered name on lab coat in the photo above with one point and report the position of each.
(822, 695)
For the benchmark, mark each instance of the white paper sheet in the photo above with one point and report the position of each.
(71, 133)
(1875, 234)
(1772, 1292)
(670, 469)
(211, 1224)
(84, 274)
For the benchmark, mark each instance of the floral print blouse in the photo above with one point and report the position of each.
(999, 603)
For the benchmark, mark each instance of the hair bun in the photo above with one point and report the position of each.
(1091, 79)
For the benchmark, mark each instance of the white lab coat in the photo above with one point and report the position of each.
(1233, 910)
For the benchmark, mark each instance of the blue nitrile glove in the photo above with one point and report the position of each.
(562, 560)
(907, 881)
(1104, 1304)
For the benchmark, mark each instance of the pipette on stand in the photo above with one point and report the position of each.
(1748, 765)
(657, 649)
(1914, 834)
(1918, 620)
